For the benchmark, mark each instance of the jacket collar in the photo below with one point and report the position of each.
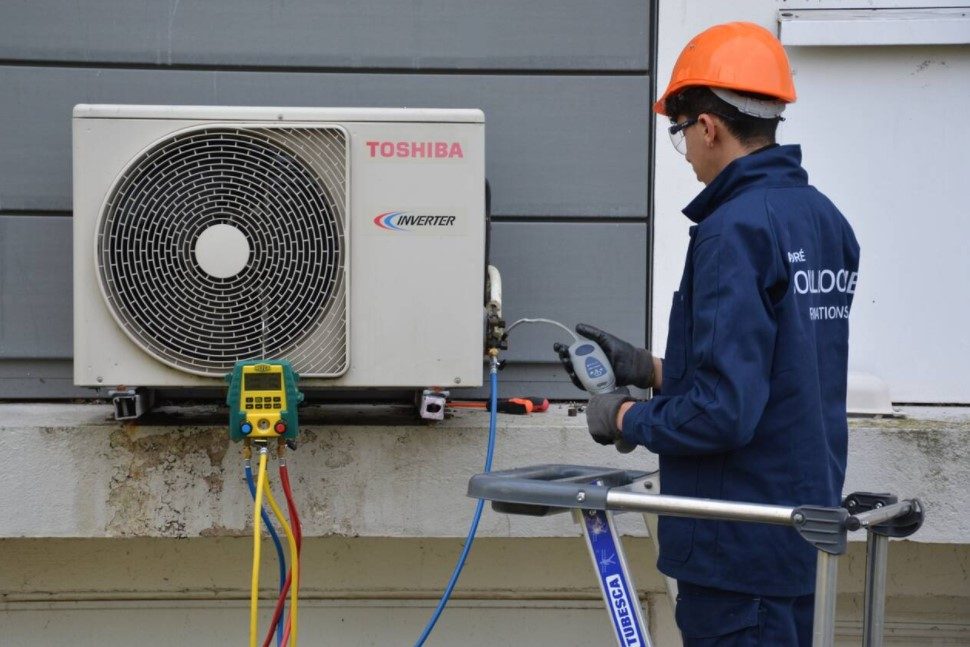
(772, 166)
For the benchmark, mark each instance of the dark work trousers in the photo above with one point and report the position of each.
(714, 618)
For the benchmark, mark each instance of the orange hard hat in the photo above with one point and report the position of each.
(738, 56)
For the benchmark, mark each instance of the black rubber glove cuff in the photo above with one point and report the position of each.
(601, 415)
(642, 370)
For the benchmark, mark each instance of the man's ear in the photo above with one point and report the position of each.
(710, 127)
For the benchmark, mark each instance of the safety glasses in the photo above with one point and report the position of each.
(677, 134)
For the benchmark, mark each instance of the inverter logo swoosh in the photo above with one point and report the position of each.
(385, 221)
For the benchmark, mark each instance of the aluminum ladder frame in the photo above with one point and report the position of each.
(597, 492)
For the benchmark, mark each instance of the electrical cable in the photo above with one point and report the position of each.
(257, 536)
(294, 564)
(280, 555)
(493, 378)
(298, 532)
(545, 321)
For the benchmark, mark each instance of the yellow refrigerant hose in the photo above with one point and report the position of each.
(257, 536)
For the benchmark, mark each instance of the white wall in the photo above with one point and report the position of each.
(881, 134)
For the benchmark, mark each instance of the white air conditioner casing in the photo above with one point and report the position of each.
(350, 242)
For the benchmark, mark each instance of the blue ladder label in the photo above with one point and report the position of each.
(620, 597)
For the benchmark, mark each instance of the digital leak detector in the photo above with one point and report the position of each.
(590, 365)
(262, 400)
(589, 362)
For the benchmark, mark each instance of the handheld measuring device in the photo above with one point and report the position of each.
(590, 363)
(262, 400)
(591, 366)
(596, 374)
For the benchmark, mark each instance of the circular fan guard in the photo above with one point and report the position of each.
(283, 189)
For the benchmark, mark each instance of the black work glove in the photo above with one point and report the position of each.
(601, 418)
(631, 365)
(563, 351)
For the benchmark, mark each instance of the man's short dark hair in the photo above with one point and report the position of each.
(697, 100)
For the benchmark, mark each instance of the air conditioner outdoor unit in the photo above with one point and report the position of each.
(350, 242)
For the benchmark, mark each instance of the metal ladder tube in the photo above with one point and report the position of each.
(823, 623)
(874, 615)
(678, 506)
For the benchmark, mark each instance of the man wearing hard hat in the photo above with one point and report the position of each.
(753, 382)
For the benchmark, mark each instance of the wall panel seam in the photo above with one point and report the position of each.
(43, 213)
(324, 69)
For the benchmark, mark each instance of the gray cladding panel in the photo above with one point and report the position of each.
(35, 287)
(40, 380)
(570, 145)
(459, 34)
(570, 272)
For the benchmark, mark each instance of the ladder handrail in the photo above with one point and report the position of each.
(547, 489)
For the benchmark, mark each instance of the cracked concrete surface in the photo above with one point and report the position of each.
(72, 471)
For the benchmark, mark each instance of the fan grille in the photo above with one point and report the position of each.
(281, 193)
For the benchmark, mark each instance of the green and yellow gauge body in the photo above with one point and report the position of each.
(263, 399)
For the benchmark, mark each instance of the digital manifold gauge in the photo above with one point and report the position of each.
(262, 400)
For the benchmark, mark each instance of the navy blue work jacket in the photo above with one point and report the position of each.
(754, 377)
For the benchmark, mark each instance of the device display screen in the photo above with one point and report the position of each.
(262, 381)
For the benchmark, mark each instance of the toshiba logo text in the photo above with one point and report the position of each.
(416, 150)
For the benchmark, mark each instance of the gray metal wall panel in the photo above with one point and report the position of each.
(527, 379)
(571, 273)
(464, 34)
(557, 145)
(35, 287)
(39, 380)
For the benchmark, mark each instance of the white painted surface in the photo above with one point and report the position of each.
(359, 591)
(880, 133)
(841, 27)
(897, 171)
(278, 113)
(341, 623)
(473, 623)
(358, 623)
(96, 478)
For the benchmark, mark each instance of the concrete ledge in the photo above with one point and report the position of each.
(375, 471)
(512, 592)
(551, 568)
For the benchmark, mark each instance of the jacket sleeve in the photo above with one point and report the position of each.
(733, 332)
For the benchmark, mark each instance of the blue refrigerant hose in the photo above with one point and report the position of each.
(281, 557)
(493, 378)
